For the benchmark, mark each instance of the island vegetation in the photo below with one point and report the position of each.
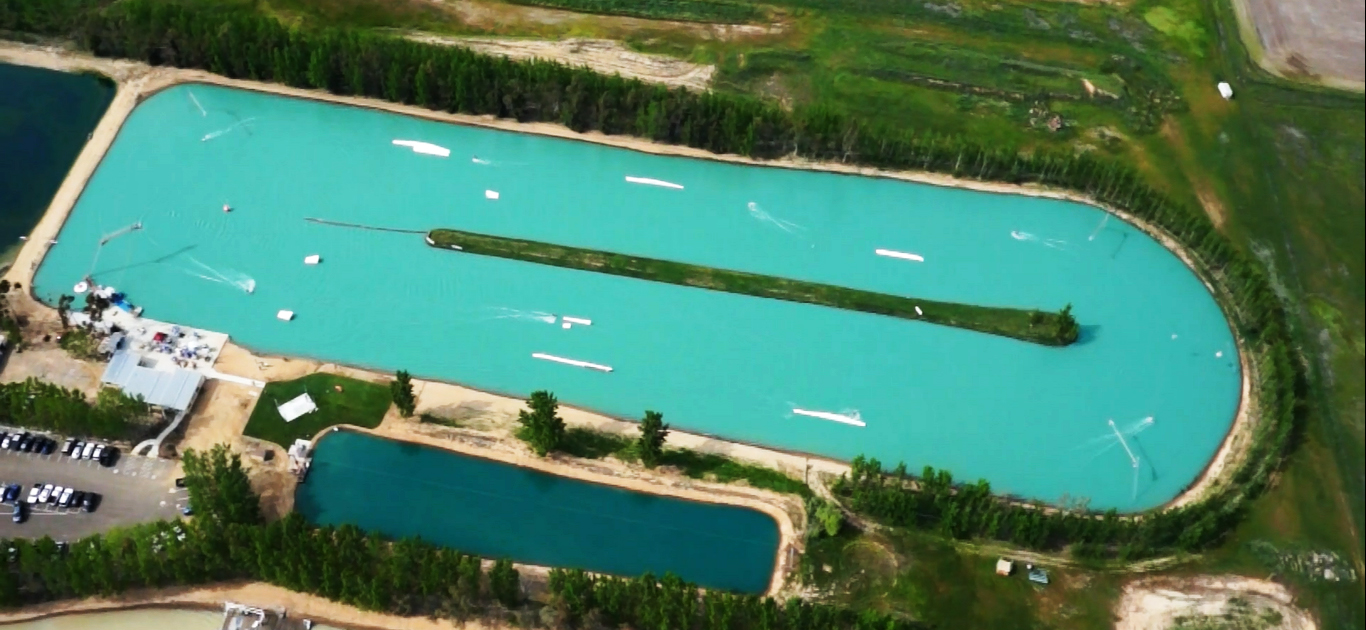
(1053, 329)
(340, 400)
(229, 540)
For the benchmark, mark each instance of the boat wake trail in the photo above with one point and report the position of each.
(503, 312)
(764, 217)
(214, 134)
(1103, 443)
(194, 100)
(234, 278)
(1031, 238)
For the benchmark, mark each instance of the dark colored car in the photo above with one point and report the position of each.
(25, 443)
(180, 482)
(77, 498)
(91, 502)
(20, 512)
(110, 456)
(188, 510)
(11, 493)
(49, 445)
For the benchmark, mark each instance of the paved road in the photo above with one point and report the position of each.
(136, 490)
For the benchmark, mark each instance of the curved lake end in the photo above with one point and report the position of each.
(496, 509)
(1106, 487)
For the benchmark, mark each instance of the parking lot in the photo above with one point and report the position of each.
(134, 490)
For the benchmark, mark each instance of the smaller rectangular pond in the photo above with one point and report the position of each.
(499, 510)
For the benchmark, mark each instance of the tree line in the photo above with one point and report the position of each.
(241, 44)
(44, 406)
(229, 540)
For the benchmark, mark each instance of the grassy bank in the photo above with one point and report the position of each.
(340, 400)
(1050, 329)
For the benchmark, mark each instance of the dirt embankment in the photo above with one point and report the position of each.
(603, 55)
(1165, 603)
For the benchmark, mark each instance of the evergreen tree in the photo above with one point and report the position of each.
(542, 427)
(650, 444)
(401, 391)
(505, 583)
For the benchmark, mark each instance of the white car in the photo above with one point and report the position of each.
(45, 494)
(56, 494)
(33, 494)
(65, 499)
(89, 448)
(99, 452)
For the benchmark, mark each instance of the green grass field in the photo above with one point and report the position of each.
(1280, 168)
(357, 403)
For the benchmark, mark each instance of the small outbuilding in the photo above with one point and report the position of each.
(1225, 90)
(174, 388)
(1004, 567)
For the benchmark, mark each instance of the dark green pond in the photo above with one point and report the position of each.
(45, 118)
(498, 510)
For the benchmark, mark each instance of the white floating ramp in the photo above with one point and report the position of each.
(573, 362)
(312, 259)
(491, 194)
(653, 182)
(834, 417)
(577, 320)
(425, 148)
(902, 255)
(285, 315)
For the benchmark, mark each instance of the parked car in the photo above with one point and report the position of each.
(45, 494)
(188, 510)
(110, 456)
(33, 494)
(77, 498)
(11, 493)
(92, 501)
(48, 445)
(26, 443)
(67, 445)
(76, 449)
(56, 494)
(66, 498)
(5, 442)
(98, 452)
(20, 512)
(180, 482)
(89, 448)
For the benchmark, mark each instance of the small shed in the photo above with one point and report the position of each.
(300, 405)
(1004, 567)
(1038, 576)
(1225, 90)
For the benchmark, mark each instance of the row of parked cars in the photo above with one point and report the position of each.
(49, 494)
(75, 449)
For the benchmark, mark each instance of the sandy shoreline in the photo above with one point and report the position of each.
(137, 81)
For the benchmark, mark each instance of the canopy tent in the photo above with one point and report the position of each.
(299, 406)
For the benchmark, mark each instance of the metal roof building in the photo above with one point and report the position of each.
(175, 388)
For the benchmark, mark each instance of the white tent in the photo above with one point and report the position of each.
(299, 406)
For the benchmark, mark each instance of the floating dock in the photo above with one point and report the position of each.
(425, 148)
(834, 417)
(653, 182)
(577, 320)
(902, 255)
(573, 362)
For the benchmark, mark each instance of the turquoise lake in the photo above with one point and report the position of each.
(1032, 420)
(499, 510)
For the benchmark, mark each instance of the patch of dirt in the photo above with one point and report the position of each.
(602, 55)
(1213, 602)
(1213, 207)
(498, 16)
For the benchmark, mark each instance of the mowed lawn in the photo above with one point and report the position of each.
(357, 403)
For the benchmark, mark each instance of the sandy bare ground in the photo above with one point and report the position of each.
(603, 55)
(299, 605)
(137, 81)
(1320, 40)
(1158, 603)
(503, 17)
